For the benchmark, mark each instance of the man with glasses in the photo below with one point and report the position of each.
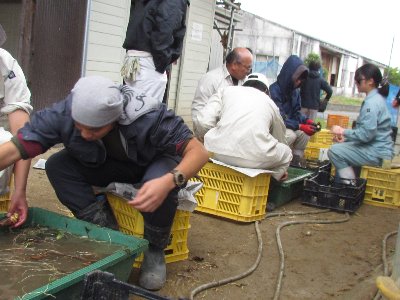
(286, 94)
(238, 65)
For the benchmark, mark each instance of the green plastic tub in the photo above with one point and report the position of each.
(283, 192)
(70, 286)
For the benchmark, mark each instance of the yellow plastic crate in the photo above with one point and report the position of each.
(313, 150)
(323, 137)
(342, 121)
(5, 199)
(130, 221)
(383, 186)
(230, 194)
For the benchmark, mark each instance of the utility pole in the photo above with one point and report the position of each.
(390, 57)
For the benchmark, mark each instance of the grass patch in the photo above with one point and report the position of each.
(321, 121)
(342, 100)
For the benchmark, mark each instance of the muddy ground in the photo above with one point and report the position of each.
(322, 261)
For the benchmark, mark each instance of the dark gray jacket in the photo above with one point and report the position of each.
(158, 27)
(155, 133)
(310, 90)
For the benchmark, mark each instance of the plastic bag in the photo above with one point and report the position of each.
(186, 200)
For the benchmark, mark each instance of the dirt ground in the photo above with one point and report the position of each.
(322, 261)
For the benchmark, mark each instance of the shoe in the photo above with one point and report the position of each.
(153, 272)
(99, 213)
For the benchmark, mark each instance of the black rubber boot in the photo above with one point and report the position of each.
(153, 272)
(99, 213)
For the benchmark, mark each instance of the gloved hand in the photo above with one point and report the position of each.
(316, 125)
(322, 105)
(310, 122)
(308, 129)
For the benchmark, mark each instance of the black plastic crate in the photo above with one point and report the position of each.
(313, 165)
(323, 191)
(100, 285)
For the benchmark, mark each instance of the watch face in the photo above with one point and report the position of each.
(179, 178)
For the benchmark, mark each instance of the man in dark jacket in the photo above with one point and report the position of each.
(114, 134)
(154, 39)
(311, 89)
(286, 95)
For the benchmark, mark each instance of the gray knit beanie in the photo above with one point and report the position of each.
(96, 101)
(3, 36)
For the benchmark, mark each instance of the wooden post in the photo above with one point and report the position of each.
(25, 50)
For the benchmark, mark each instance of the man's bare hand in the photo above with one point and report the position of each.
(18, 205)
(152, 194)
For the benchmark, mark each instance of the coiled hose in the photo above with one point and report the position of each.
(259, 253)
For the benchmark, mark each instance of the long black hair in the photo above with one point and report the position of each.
(370, 71)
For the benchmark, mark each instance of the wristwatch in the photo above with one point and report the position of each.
(179, 177)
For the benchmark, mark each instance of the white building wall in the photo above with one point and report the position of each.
(106, 33)
(195, 56)
(263, 37)
(216, 51)
(267, 38)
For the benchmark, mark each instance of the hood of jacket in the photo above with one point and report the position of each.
(136, 104)
(290, 66)
(314, 74)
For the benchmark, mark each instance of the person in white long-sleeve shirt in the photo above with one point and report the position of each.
(237, 66)
(15, 97)
(244, 128)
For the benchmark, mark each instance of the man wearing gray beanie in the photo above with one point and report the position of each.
(111, 134)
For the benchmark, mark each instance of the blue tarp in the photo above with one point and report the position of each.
(393, 89)
(269, 68)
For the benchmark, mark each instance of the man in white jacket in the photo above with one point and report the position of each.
(245, 128)
(237, 66)
(16, 104)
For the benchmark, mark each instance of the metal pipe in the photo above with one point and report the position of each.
(85, 38)
(231, 4)
(229, 46)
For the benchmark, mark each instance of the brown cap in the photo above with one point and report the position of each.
(3, 36)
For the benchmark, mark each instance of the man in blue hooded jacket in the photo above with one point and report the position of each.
(286, 95)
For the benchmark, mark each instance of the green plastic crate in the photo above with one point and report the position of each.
(70, 286)
(283, 192)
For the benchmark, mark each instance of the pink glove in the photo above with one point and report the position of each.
(308, 129)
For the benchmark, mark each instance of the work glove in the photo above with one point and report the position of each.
(316, 125)
(310, 122)
(308, 129)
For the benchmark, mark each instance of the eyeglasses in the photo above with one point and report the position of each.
(247, 67)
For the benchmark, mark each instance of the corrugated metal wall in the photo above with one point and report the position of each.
(10, 12)
(57, 49)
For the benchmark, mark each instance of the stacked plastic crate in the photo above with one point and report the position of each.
(5, 198)
(233, 195)
(318, 143)
(130, 221)
(383, 186)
